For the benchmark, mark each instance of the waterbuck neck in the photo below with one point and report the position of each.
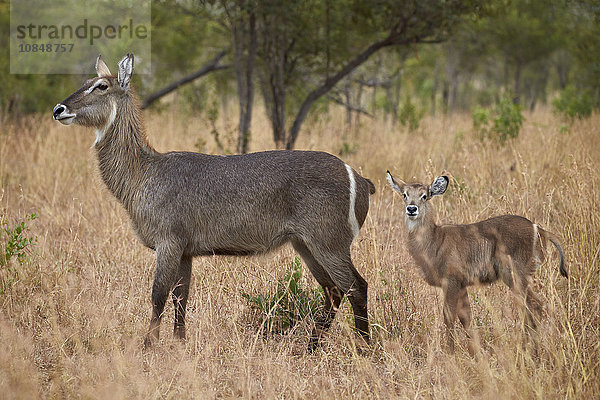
(123, 150)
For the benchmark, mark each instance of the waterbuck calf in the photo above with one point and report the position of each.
(188, 204)
(453, 257)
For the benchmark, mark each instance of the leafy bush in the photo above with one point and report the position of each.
(574, 104)
(508, 120)
(409, 115)
(289, 304)
(14, 245)
(505, 119)
(481, 120)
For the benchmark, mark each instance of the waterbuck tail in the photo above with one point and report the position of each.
(556, 243)
(371, 186)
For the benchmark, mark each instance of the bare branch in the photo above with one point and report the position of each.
(339, 101)
(211, 66)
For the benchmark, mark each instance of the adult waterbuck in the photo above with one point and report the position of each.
(188, 204)
(453, 257)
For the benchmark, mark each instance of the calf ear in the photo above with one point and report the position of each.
(398, 186)
(439, 186)
(125, 71)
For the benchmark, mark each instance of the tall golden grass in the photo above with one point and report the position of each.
(73, 318)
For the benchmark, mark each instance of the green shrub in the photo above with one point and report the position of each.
(289, 304)
(574, 104)
(14, 245)
(502, 123)
(409, 115)
(481, 121)
(508, 120)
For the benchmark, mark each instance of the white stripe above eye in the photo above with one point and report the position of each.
(94, 86)
(351, 210)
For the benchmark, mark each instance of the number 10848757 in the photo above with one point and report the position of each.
(46, 47)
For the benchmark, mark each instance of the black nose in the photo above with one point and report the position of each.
(58, 109)
(411, 210)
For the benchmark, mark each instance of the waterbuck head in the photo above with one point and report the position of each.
(417, 195)
(95, 103)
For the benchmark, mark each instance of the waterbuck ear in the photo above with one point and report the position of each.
(398, 186)
(125, 71)
(439, 186)
(102, 68)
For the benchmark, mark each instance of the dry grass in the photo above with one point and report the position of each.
(72, 323)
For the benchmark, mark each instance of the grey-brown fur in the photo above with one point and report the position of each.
(454, 257)
(184, 204)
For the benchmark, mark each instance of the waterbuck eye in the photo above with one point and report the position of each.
(102, 86)
(404, 195)
(424, 196)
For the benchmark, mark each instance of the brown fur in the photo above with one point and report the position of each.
(454, 257)
(184, 205)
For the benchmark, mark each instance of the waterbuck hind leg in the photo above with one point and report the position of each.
(352, 284)
(333, 297)
(167, 267)
(180, 295)
(323, 321)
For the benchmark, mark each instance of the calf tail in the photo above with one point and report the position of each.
(556, 243)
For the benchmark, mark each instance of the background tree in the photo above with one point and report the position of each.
(302, 56)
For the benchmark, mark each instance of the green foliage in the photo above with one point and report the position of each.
(508, 120)
(289, 304)
(409, 115)
(460, 188)
(212, 113)
(502, 123)
(574, 104)
(481, 121)
(348, 148)
(14, 245)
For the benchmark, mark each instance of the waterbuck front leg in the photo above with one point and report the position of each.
(180, 295)
(168, 258)
(452, 290)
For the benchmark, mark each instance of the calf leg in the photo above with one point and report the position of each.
(180, 295)
(464, 316)
(451, 290)
(534, 308)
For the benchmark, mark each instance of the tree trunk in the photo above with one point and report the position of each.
(347, 104)
(436, 73)
(562, 68)
(453, 82)
(244, 70)
(517, 89)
